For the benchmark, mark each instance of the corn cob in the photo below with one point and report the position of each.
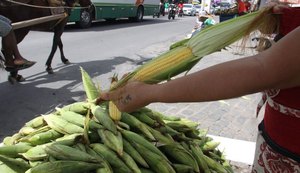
(111, 157)
(63, 152)
(134, 153)
(160, 137)
(36, 122)
(26, 130)
(63, 167)
(61, 125)
(156, 162)
(198, 155)
(129, 161)
(44, 137)
(210, 145)
(11, 140)
(183, 58)
(136, 139)
(90, 89)
(114, 112)
(145, 119)
(112, 141)
(214, 165)
(77, 107)
(106, 166)
(69, 139)
(36, 153)
(178, 153)
(137, 124)
(4, 168)
(15, 150)
(123, 125)
(103, 117)
(35, 132)
(182, 168)
(14, 164)
(72, 117)
(93, 125)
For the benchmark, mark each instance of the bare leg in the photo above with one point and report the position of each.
(12, 54)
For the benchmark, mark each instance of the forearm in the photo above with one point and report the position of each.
(223, 81)
(277, 67)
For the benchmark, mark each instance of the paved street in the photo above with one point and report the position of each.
(234, 118)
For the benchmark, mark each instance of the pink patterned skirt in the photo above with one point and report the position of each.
(267, 160)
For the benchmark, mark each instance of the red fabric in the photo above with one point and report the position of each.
(241, 7)
(284, 129)
(289, 20)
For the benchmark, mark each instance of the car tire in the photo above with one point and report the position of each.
(85, 20)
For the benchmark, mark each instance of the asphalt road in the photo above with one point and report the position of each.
(102, 50)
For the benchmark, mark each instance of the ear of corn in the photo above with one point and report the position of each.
(63, 152)
(111, 157)
(181, 155)
(61, 125)
(111, 140)
(16, 165)
(184, 55)
(134, 153)
(14, 150)
(90, 88)
(63, 167)
(114, 112)
(103, 117)
(198, 154)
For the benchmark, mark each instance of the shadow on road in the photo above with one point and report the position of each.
(42, 92)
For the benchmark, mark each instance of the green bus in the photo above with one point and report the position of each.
(113, 9)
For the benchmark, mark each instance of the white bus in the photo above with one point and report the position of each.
(113, 9)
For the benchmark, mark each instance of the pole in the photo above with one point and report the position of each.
(39, 20)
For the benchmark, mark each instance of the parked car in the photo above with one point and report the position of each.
(198, 8)
(189, 9)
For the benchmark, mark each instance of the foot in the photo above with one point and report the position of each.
(19, 65)
(14, 79)
(22, 62)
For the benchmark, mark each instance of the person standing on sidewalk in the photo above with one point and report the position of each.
(274, 71)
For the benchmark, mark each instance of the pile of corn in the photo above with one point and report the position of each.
(86, 138)
(83, 137)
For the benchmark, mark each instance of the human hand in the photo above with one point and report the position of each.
(128, 98)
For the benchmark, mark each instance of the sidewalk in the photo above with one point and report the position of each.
(232, 121)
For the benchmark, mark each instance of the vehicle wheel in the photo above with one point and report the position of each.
(85, 19)
(169, 17)
(139, 14)
(173, 17)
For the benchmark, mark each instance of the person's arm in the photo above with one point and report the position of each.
(277, 67)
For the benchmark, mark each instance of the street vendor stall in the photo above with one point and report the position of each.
(88, 137)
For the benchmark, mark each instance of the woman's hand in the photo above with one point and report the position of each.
(130, 97)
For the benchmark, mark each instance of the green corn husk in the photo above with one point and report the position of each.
(63, 167)
(14, 164)
(90, 88)
(187, 53)
(15, 150)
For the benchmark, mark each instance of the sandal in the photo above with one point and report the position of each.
(23, 66)
(13, 79)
